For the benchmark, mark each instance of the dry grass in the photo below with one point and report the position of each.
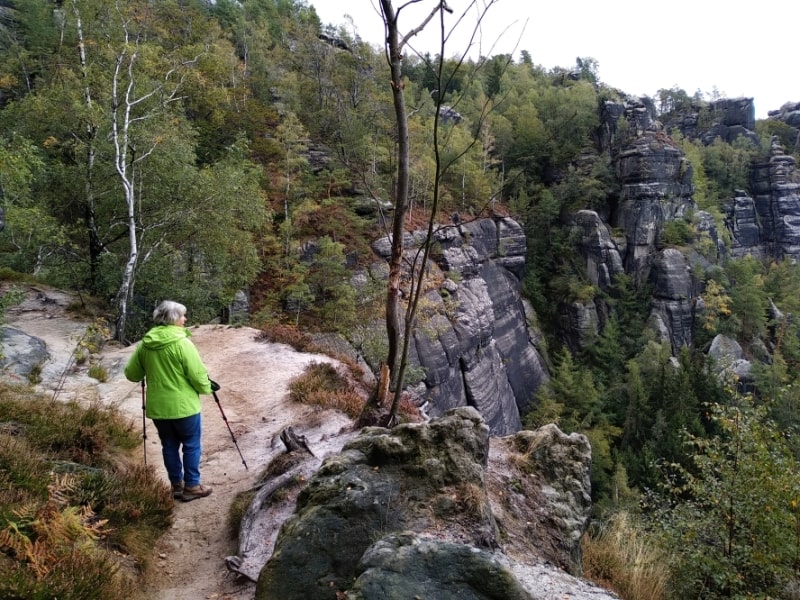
(622, 558)
(473, 499)
(324, 385)
(286, 334)
(75, 523)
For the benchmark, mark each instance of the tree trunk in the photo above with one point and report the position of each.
(258, 529)
(121, 122)
(393, 292)
(95, 245)
(399, 327)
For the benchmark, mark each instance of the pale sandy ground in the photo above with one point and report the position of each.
(188, 563)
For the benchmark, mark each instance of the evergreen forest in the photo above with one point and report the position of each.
(193, 150)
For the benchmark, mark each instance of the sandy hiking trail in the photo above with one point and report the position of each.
(189, 561)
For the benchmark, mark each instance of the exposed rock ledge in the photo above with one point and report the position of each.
(413, 512)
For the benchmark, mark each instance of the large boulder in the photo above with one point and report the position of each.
(410, 511)
(729, 362)
(408, 566)
(22, 354)
(420, 477)
(542, 494)
(580, 323)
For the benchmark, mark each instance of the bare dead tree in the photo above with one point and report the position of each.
(400, 324)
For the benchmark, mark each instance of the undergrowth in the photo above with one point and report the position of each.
(76, 522)
(323, 385)
(622, 557)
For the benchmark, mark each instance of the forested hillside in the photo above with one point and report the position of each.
(193, 150)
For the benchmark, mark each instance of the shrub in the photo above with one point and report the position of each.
(731, 521)
(676, 233)
(98, 372)
(323, 385)
(59, 550)
(68, 430)
(286, 334)
(9, 274)
(23, 475)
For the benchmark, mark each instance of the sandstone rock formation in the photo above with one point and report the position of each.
(775, 188)
(726, 119)
(789, 113)
(429, 510)
(656, 184)
(473, 341)
(672, 307)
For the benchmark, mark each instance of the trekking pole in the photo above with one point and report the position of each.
(144, 426)
(214, 387)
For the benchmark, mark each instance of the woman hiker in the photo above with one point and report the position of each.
(176, 376)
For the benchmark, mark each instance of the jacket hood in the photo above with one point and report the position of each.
(164, 335)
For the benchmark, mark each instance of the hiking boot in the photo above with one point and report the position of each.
(195, 492)
(177, 490)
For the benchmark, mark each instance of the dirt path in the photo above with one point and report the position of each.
(188, 563)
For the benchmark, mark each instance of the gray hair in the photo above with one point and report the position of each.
(168, 312)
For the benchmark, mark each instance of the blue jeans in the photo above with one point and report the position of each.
(173, 434)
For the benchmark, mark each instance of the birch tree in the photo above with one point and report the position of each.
(131, 109)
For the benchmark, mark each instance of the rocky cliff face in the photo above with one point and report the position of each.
(775, 188)
(656, 182)
(789, 113)
(431, 511)
(726, 119)
(742, 221)
(766, 222)
(655, 188)
(475, 345)
(473, 341)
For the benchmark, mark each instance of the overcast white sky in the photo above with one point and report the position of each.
(742, 48)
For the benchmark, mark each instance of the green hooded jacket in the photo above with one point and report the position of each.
(176, 376)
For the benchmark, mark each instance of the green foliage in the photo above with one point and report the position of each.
(551, 127)
(99, 372)
(726, 166)
(588, 69)
(730, 519)
(672, 99)
(749, 302)
(330, 280)
(658, 398)
(572, 400)
(787, 135)
(676, 233)
(693, 152)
